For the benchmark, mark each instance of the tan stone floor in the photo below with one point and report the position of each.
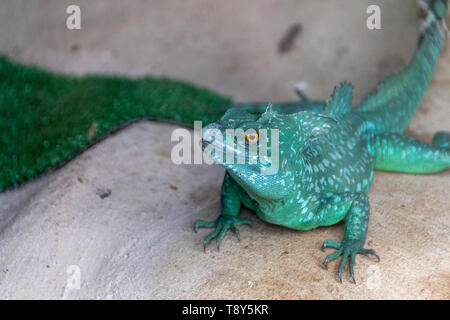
(138, 242)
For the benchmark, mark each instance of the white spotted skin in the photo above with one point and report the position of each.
(339, 162)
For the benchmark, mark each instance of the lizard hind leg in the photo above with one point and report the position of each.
(401, 153)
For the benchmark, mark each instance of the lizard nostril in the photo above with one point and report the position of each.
(204, 143)
(209, 134)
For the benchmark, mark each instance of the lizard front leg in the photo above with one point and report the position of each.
(229, 218)
(356, 206)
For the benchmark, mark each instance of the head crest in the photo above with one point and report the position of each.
(340, 102)
(269, 113)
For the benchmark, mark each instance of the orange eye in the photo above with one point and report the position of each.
(252, 137)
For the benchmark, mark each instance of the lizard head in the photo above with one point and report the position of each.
(261, 152)
(272, 156)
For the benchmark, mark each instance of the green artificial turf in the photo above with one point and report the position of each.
(47, 119)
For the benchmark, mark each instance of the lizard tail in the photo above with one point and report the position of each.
(392, 105)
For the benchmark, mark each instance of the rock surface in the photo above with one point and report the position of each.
(119, 217)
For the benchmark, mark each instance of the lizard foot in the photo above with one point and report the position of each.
(222, 224)
(348, 248)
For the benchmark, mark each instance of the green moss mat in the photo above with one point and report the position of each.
(47, 119)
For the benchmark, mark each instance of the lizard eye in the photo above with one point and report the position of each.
(252, 137)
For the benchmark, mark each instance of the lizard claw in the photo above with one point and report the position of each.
(348, 248)
(325, 264)
(221, 225)
(370, 251)
(236, 231)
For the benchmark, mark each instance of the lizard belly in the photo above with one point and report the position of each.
(292, 214)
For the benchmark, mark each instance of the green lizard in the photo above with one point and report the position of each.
(328, 154)
(328, 150)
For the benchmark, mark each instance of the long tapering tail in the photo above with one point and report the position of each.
(390, 107)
